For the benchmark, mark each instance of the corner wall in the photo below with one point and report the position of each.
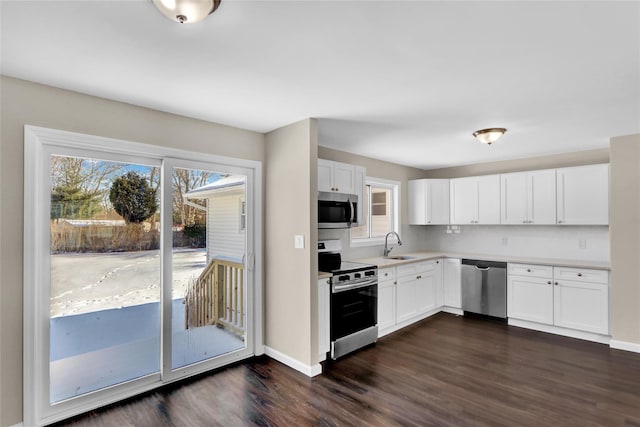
(23, 103)
(625, 242)
(291, 274)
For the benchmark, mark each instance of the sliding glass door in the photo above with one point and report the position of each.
(136, 269)
(208, 252)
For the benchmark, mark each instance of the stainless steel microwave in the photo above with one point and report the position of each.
(337, 210)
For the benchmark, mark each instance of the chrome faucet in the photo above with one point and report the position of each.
(387, 249)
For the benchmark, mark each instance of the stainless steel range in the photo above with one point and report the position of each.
(353, 300)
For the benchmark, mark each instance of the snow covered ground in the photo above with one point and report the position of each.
(87, 282)
(95, 350)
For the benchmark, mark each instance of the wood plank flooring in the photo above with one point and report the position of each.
(444, 371)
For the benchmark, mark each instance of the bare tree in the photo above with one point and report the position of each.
(185, 180)
(87, 179)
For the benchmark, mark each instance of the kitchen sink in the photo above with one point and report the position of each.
(400, 257)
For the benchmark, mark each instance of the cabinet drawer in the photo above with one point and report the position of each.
(581, 275)
(414, 268)
(385, 274)
(530, 270)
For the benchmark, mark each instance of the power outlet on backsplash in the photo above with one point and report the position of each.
(582, 243)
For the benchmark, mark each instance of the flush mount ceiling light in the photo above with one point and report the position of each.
(489, 136)
(187, 11)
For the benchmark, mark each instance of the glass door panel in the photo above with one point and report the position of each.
(208, 297)
(104, 320)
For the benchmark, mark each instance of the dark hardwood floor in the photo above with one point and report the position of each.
(443, 371)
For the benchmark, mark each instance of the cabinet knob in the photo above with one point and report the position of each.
(419, 277)
(559, 221)
(395, 283)
(337, 189)
(556, 283)
(437, 262)
(579, 274)
(386, 274)
(524, 222)
(549, 282)
(528, 270)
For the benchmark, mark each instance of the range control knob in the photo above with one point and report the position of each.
(370, 273)
(357, 275)
(343, 278)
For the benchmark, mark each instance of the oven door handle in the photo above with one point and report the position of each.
(363, 284)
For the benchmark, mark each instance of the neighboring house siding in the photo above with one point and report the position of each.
(224, 237)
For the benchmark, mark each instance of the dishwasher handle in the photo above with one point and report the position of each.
(483, 269)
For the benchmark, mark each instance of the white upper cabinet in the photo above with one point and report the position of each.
(583, 195)
(528, 197)
(428, 201)
(475, 200)
(337, 177)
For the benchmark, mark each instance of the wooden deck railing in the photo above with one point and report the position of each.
(216, 297)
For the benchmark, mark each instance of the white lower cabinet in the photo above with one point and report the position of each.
(408, 293)
(571, 298)
(452, 282)
(323, 318)
(386, 298)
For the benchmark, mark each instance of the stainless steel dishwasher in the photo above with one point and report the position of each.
(484, 287)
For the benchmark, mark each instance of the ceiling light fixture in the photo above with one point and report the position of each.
(186, 11)
(489, 136)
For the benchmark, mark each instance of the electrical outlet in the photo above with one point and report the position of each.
(582, 243)
(298, 241)
(505, 241)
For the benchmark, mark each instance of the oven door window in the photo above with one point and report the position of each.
(353, 311)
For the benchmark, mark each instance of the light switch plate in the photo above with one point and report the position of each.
(298, 241)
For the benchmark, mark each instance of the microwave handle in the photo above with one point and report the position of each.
(353, 212)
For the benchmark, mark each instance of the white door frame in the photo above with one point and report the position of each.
(38, 145)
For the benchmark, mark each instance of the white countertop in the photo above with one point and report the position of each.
(382, 262)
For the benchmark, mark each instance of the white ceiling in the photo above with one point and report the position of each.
(406, 82)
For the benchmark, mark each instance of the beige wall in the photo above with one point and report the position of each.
(28, 103)
(291, 274)
(590, 157)
(625, 239)
(378, 169)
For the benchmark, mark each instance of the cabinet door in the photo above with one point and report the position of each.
(530, 298)
(488, 199)
(581, 306)
(323, 319)
(406, 305)
(541, 189)
(386, 305)
(452, 282)
(438, 282)
(464, 200)
(513, 197)
(344, 178)
(583, 195)
(417, 203)
(437, 201)
(325, 175)
(425, 291)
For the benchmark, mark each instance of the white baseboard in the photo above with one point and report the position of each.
(18, 425)
(308, 370)
(453, 310)
(625, 345)
(588, 336)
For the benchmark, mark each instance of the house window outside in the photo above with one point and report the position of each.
(243, 215)
(380, 211)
